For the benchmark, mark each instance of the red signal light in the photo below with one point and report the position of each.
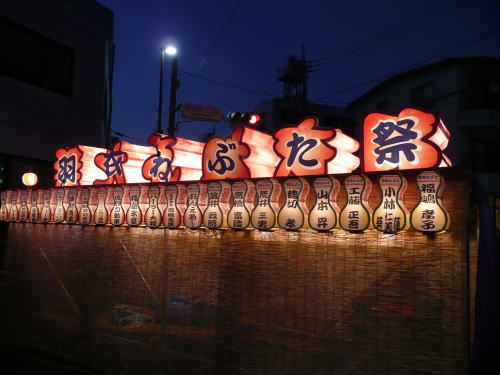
(254, 118)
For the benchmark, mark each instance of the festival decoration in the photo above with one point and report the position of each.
(59, 211)
(193, 216)
(4, 212)
(243, 193)
(33, 217)
(158, 167)
(429, 215)
(30, 179)
(134, 213)
(153, 216)
(14, 211)
(101, 213)
(215, 215)
(390, 215)
(293, 214)
(111, 163)
(413, 139)
(262, 160)
(224, 158)
(356, 214)
(23, 209)
(68, 166)
(172, 215)
(117, 212)
(46, 213)
(325, 212)
(72, 210)
(265, 213)
(85, 215)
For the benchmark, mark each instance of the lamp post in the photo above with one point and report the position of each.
(171, 51)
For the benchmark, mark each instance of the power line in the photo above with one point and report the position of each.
(229, 84)
(387, 75)
(214, 43)
(409, 24)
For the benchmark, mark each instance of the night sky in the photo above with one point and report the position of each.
(243, 43)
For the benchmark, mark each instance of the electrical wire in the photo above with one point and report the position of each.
(411, 66)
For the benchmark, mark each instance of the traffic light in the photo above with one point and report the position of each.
(244, 118)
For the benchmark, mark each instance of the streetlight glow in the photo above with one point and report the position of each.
(171, 50)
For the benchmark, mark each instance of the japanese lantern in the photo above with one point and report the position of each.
(30, 179)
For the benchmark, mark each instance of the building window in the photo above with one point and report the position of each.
(33, 58)
(424, 95)
(485, 155)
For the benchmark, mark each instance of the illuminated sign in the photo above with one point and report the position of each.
(153, 216)
(85, 214)
(4, 213)
(134, 213)
(13, 207)
(413, 139)
(117, 213)
(172, 216)
(59, 212)
(390, 215)
(293, 214)
(430, 216)
(324, 214)
(215, 214)
(34, 207)
(23, 210)
(46, 213)
(68, 166)
(243, 193)
(267, 206)
(72, 211)
(193, 216)
(356, 214)
(224, 158)
(101, 213)
(158, 167)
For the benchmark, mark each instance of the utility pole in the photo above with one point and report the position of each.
(173, 98)
(158, 121)
(304, 83)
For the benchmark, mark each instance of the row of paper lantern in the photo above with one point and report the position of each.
(238, 205)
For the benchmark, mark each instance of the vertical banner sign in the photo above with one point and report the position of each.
(292, 215)
(356, 214)
(34, 206)
(117, 214)
(239, 216)
(101, 214)
(152, 217)
(59, 211)
(390, 215)
(23, 210)
(324, 214)
(85, 213)
(215, 215)
(181, 199)
(265, 212)
(193, 216)
(46, 211)
(172, 215)
(4, 213)
(72, 211)
(14, 212)
(413, 139)
(430, 216)
(224, 158)
(134, 214)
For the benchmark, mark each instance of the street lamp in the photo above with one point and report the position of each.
(171, 51)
